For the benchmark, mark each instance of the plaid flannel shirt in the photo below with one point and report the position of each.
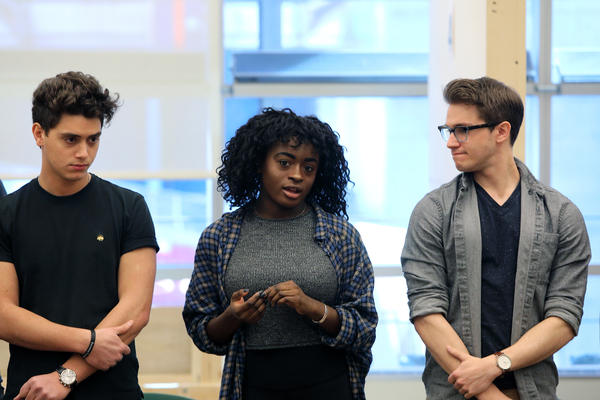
(206, 298)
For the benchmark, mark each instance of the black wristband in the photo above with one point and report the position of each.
(91, 346)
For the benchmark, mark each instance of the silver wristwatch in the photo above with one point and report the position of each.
(67, 377)
(503, 362)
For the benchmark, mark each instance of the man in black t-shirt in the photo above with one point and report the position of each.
(77, 258)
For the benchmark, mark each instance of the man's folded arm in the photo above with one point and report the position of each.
(438, 334)
(137, 271)
(23, 328)
(26, 329)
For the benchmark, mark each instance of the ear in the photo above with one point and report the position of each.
(503, 132)
(38, 134)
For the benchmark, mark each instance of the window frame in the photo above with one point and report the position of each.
(540, 86)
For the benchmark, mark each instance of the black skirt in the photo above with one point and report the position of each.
(298, 369)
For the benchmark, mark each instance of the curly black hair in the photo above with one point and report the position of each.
(73, 93)
(239, 179)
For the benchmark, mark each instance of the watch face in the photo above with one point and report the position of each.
(504, 361)
(68, 376)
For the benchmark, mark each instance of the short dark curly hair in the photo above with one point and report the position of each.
(239, 179)
(73, 93)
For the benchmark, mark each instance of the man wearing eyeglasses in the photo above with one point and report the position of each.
(495, 261)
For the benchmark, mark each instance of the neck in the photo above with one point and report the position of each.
(60, 187)
(286, 215)
(499, 180)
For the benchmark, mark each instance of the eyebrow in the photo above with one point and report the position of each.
(465, 124)
(290, 155)
(69, 134)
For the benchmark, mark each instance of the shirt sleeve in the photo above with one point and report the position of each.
(139, 231)
(5, 238)
(355, 303)
(423, 261)
(568, 275)
(203, 301)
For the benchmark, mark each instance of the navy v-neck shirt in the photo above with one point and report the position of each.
(500, 228)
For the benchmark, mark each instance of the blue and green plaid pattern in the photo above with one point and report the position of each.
(206, 299)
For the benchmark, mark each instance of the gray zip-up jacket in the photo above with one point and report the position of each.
(441, 261)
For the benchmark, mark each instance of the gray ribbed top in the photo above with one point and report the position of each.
(272, 251)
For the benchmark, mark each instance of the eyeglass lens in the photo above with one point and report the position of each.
(459, 132)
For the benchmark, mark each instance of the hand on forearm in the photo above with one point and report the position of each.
(109, 349)
(437, 334)
(474, 375)
(113, 335)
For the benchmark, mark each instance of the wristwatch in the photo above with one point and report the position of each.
(503, 362)
(67, 377)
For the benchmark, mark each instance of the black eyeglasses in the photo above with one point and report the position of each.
(461, 132)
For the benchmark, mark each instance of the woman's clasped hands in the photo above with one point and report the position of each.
(287, 293)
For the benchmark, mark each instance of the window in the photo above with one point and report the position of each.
(383, 135)
(326, 27)
(561, 141)
(575, 55)
(385, 40)
(574, 153)
(371, 26)
(165, 138)
(154, 53)
(100, 25)
(180, 209)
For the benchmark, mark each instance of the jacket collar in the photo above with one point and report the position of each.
(527, 179)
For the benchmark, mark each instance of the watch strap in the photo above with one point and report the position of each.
(60, 370)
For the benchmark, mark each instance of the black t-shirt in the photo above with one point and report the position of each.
(66, 252)
(500, 231)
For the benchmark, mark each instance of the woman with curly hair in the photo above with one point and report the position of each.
(283, 286)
